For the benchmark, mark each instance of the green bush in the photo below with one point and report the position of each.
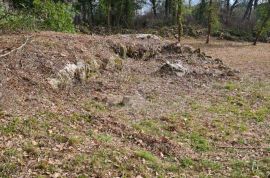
(19, 22)
(54, 16)
(262, 14)
(44, 15)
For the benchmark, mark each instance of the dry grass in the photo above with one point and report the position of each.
(244, 56)
(173, 129)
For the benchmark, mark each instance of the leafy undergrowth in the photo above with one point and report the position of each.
(227, 136)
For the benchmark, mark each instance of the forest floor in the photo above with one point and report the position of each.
(131, 122)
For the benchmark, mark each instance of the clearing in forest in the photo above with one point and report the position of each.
(133, 106)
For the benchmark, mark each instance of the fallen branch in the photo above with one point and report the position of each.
(26, 41)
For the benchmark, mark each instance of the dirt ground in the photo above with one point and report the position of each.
(128, 121)
(244, 56)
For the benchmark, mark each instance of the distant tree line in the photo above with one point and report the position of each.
(241, 17)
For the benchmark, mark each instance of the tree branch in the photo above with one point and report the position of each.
(20, 47)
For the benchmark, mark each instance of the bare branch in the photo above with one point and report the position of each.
(16, 49)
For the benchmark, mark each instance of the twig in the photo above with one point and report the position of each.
(26, 41)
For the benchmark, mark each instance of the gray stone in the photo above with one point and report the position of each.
(73, 73)
(147, 36)
(173, 69)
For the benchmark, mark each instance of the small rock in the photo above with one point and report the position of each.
(73, 74)
(147, 36)
(173, 69)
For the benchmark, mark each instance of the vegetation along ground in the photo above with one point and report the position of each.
(134, 88)
(119, 106)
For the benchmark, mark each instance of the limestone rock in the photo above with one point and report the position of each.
(173, 69)
(73, 73)
(147, 36)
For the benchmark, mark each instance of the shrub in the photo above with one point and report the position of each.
(54, 16)
(263, 19)
(44, 15)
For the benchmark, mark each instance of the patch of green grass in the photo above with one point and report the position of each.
(45, 166)
(230, 86)
(195, 105)
(150, 126)
(199, 143)
(259, 114)
(152, 161)
(176, 117)
(10, 152)
(79, 163)
(95, 107)
(103, 137)
(239, 168)
(11, 127)
(60, 138)
(250, 168)
(74, 140)
(79, 159)
(186, 162)
(31, 149)
(208, 164)
(7, 169)
(81, 117)
(147, 156)
(240, 107)
(114, 161)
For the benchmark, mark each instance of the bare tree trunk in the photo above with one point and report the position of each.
(167, 6)
(174, 11)
(209, 21)
(92, 13)
(227, 11)
(248, 10)
(109, 14)
(233, 7)
(154, 7)
(179, 15)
